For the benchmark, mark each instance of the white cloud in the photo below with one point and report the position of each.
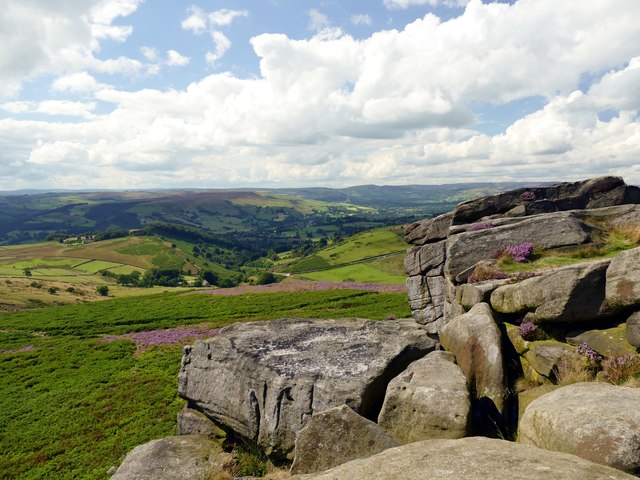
(392, 108)
(16, 107)
(45, 37)
(317, 20)
(404, 4)
(196, 21)
(361, 19)
(224, 17)
(66, 108)
(221, 44)
(149, 53)
(175, 59)
(80, 82)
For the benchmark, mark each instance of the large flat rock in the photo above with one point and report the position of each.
(570, 294)
(597, 421)
(264, 379)
(195, 457)
(474, 458)
(552, 230)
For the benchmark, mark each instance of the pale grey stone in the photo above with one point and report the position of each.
(264, 379)
(474, 458)
(596, 421)
(623, 279)
(430, 399)
(336, 436)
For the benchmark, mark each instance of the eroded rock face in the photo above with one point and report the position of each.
(596, 421)
(569, 294)
(428, 230)
(264, 379)
(592, 193)
(475, 340)
(623, 279)
(427, 300)
(430, 399)
(545, 356)
(546, 231)
(195, 457)
(474, 458)
(337, 436)
(193, 422)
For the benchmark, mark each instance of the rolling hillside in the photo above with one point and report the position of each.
(373, 256)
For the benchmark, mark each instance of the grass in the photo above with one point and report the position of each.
(73, 406)
(614, 241)
(361, 272)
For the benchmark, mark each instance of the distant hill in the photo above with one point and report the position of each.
(272, 218)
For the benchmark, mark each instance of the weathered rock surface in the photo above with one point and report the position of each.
(427, 300)
(474, 458)
(633, 329)
(610, 342)
(430, 399)
(623, 279)
(264, 379)
(428, 230)
(195, 457)
(337, 436)
(426, 259)
(475, 340)
(596, 421)
(616, 216)
(568, 294)
(193, 422)
(544, 356)
(546, 231)
(470, 294)
(592, 193)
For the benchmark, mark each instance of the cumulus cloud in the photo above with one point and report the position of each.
(404, 4)
(317, 20)
(175, 59)
(40, 37)
(196, 22)
(225, 17)
(361, 19)
(221, 44)
(80, 82)
(199, 21)
(397, 107)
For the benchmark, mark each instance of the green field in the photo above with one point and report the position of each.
(361, 272)
(73, 405)
(372, 243)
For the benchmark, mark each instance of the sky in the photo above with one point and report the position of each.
(133, 94)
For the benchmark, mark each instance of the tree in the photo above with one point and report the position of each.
(27, 272)
(210, 277)
(103, 290)
(265, 278)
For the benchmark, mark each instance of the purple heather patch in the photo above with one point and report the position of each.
(527, 196)
(521, 252)
(528, 330)
(167, 336)
(27, 348)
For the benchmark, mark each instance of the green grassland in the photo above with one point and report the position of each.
(73, 405)
(374, 256)
(360, 272)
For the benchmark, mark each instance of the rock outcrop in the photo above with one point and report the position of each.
(312, 390)
(473, 458)
(337, 436)
(596, 421)
(570, 294)
(430, 399)
(195, 457)
(265, 379)
(476, 342)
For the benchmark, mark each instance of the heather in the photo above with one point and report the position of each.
(83, 384)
